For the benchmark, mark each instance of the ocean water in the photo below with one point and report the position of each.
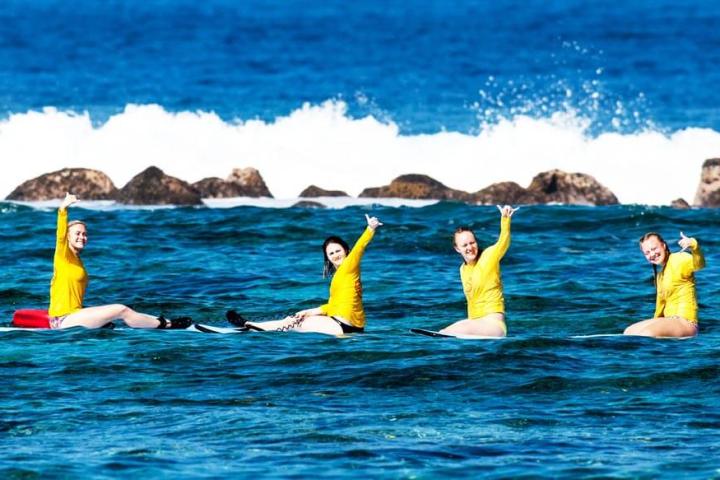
(387, 403)
(348, 95)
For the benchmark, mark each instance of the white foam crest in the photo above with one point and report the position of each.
(262, 202)
(322, 145)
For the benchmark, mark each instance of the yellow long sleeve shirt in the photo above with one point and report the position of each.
(676, 285)
(346, 287)
(70, 279)
(481, 281)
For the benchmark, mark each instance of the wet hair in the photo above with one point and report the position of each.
(665, 246)
(328, 267)
(462, 229)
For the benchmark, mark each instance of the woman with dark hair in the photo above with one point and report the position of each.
(676, 302)
(343, 313)
(480, 275)
(70, 280)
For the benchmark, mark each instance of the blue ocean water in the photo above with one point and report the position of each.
(389, 404)
(348, 95)
(427, 65)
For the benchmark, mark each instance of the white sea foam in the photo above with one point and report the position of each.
(262, 202)
(322, 145)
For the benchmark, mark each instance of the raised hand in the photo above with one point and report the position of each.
(507, 210)
(68, 200)
(685, 242)
(372, 222)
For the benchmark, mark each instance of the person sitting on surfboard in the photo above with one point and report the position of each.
(676, 302)
(343, 313)
(70, 280)
(480, 276)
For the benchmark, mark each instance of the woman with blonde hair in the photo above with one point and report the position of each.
(70, 280)
(480, 276)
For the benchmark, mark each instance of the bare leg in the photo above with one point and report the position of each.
(96, 317)
(320, 324)
(637, 327)
(315, 323)
(491, 325)
(275, 325)
(663, 327)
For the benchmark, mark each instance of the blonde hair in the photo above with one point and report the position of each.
(76, 222)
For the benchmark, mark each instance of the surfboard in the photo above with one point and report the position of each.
(428, 333)
(611, 335)
(433, 333)
(23, 329)
(599, 335)
(195, 327)
(199, 327)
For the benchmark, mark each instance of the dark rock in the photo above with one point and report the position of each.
(708, 192)
(214, 187)
(251, 180)
(85, 183)
(242, 182)
(556, 186)
(504, 193)
(153, 187)
(680, 204)
(308, 204)
(312, 192)
(416, 186)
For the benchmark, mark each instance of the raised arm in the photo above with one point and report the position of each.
(501, 246)
(358, 249)
(62, 220)
(698, 259)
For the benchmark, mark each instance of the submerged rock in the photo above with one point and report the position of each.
(308, 204)
(415, 186)
(680, 204)
(242, 182)
(87, 184)
(556, 186)
(153, 187)
(708, 192)
(312, 191)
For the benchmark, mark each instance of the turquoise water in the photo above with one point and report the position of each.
(387, 403)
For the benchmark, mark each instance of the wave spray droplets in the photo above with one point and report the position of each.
(323, 145)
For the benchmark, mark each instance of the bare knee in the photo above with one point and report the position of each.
(121, 311)
(637, 330)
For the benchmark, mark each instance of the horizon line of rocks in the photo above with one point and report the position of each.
(153, 187)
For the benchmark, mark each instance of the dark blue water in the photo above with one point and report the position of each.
(427, 66)
(385, 404)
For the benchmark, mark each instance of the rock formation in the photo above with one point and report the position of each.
(556, 186)
(312, 192)
(416, 186)
(680, 204)
(153, 187)
(504, 193)
(708, 192)
(85, 183)
(242, 182)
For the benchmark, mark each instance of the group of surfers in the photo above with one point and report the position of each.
(675, 311)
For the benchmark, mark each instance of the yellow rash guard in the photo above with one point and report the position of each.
(676, 285)
(481, 281)
(345, 288)
(70, 279)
